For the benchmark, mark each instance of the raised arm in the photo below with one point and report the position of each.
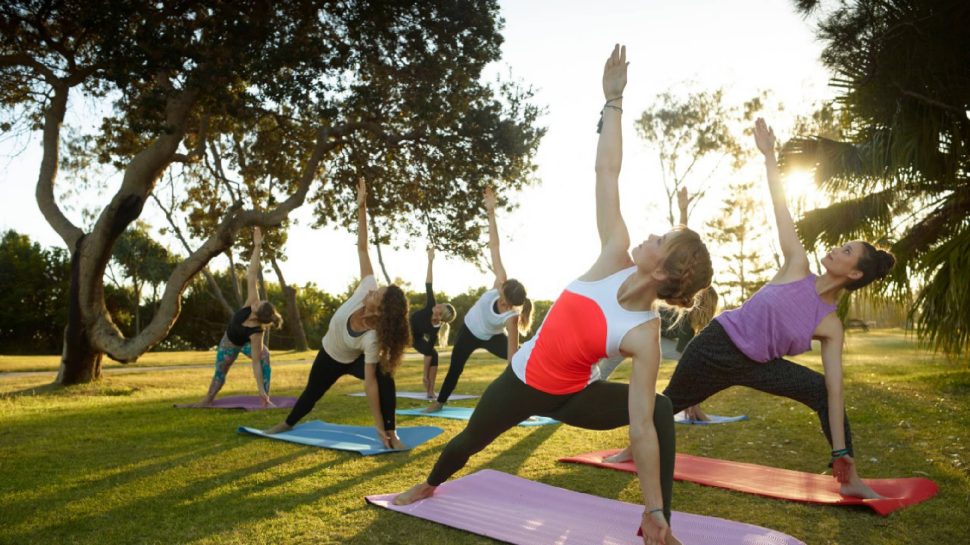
(796, 260)
(428, 278)
(682, 201)
(252, 275)
(645, 446)
(609, 156)
(493, 240)
(366, 269)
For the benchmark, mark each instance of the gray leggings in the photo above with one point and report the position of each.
(711, 363)
(600, 406)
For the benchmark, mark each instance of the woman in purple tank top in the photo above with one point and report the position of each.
(746, 346)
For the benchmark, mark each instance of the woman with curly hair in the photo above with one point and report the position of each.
(366, 339)
(494, 322)
(245, 334)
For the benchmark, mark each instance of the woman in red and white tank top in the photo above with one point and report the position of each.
(605, 312)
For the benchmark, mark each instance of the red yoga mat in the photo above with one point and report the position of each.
(778, 483)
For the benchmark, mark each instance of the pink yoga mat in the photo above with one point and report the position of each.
(516, 510)
(249, 403)
(778, 483)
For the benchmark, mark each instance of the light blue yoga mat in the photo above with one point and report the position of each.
(464, 413)
(362, 439)
(714, 419)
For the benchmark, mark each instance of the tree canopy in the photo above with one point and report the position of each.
(313, 89)
(902, 171)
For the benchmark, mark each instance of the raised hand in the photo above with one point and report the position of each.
(430, 253)
(361, 192)
(489, 198)
(614, 73)
(764, 137)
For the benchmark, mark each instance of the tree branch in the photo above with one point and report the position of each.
(53, 118)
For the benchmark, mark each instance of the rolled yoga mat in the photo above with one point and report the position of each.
(464, 413)
(783, 484)
(362, 439)
(249, 403)
(516, 510)
(681, 418)
(418, 395)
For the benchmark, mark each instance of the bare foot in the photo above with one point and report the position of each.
(279, 428)
(672, 540)
(415, 493)
(434, 407)
(432, 395)
(858, 489)
(624, 455)
(397, 444)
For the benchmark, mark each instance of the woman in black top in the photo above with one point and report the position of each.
(429, 328)
(245, 334)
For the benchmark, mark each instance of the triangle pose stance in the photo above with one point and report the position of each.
(429, 329)
(605, 312)
(746, 346)
(494, 322)
(366, 338)
(245, 334)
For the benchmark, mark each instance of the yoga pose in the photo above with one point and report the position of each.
(429, 328)
(605, 312)
(366, 338)
(245, 334)
(505, 307)
(746, 346)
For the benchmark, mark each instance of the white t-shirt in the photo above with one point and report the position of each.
(482, 320)
(339, 343)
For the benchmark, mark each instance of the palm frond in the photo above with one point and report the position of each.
(869, 217)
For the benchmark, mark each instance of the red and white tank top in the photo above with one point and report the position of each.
(585, 324)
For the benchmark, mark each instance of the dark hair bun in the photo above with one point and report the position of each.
(885, 261)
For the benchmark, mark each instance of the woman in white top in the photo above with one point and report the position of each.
(494, 322)
(366, 339)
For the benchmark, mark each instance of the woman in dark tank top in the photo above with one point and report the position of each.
(245, 334)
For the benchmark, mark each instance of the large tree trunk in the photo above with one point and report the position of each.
(80, 362)
(234, 279)
(294, 324)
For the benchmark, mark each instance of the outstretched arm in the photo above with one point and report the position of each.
(644, 443)
(493, 240)
(682, 201)
(831, 328)
(609, 156)
(366, 269)
(428, 278)
(796, 260)
(252, 275)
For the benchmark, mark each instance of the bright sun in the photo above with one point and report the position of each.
(802, 193)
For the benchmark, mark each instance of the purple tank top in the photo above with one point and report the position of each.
(777, 321)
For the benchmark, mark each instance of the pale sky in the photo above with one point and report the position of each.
(558, 47)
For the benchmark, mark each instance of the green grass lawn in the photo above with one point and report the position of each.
(113, 462)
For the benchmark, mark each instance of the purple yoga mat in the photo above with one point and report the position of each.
(249, 403)
(523, 512)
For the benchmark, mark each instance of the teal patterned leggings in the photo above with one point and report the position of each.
(226, 355)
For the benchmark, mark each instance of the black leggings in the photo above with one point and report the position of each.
(326, 371)
(427, 348)
(465, 344)
(600, 406)
(711, 363)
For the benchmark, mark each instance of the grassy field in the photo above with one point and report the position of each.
(113, 462)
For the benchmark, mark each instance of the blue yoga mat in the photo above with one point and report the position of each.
(714, 419)
(464, 413)
(362, 439)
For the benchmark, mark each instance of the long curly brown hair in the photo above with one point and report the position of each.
(393, 328)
